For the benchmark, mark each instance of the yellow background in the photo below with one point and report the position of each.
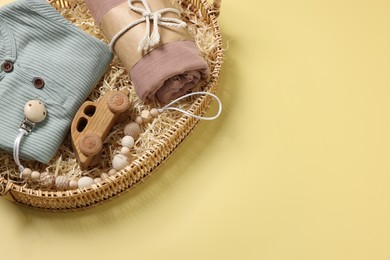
(296, 168)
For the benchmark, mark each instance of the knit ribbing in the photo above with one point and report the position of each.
(169, 71)
(68, 60)
(99, 8)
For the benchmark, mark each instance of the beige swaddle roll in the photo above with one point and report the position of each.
(161, 72)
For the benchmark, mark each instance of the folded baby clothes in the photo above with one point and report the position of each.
(153, 45)
(44, 57)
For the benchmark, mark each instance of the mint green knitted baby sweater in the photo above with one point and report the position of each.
(44, 56)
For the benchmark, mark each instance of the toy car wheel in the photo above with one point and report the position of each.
(118, 102)
(90, 144)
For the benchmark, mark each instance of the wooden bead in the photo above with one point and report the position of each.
(125, 150)
(35, 175)
(154, 112)
(127, 141)
(62, 182)
(73, 185)
(104, 176)
(112, 172)
(146, 116)
(46, 179)
(119, 162)
(133, 129)
(138, 120)
(26, 173)
(85, 182)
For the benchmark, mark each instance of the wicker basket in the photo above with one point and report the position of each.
(144, 165)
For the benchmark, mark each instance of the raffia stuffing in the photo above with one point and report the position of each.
(64, 163)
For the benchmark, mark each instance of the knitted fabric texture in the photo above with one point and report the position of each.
(99, 8)
(169, 71)
(42, 44)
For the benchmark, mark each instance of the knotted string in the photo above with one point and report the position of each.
(169, 106)
(151, 38)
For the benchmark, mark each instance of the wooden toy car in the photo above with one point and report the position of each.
(93, 122)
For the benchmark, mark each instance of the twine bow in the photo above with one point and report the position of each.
(152, 37)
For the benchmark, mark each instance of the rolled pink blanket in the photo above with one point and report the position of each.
(169, 71)
(162, 72)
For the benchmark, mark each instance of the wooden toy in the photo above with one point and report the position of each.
(93, 122)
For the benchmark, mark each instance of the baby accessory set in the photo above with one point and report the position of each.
(60, 152)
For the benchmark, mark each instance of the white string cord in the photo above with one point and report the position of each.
(169, 106)
(150, 39)
(17, 142)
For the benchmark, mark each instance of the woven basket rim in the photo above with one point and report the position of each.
(116, 185)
